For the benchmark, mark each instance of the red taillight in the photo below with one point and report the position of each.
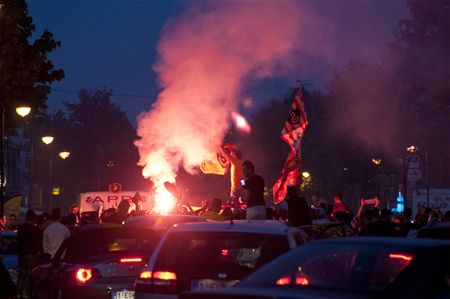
(284, 281)
(399, 256)
(83, 274)
(164, 275)
(161, 275)
(131, 260)
(301, 281)
(145, 274)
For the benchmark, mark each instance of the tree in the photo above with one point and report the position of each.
(100, 138)
(25, 70)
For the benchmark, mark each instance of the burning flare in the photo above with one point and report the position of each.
(240, 122)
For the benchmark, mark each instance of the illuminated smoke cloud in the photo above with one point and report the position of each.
(205, 58)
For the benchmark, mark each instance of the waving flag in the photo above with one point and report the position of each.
(219, 166)
(292, 133)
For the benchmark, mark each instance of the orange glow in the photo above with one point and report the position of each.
(284, 281)
(83, 275)
(131, 260)
(145, 274)
(164, 201)
(303, 281)
(240, 122)
(400, 256)
(164, 275)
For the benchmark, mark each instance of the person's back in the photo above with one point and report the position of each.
(29, 237)
(253, 193)
(117, 218)
(213, 213)
(298, 209)
(54, 234)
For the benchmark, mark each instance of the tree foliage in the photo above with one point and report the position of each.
(100, 138)
(25, 70)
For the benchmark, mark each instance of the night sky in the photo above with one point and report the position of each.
(113, 44)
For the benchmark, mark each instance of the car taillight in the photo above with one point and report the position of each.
(131, 260)
(401, 256)
(284, 281)
(83, 275)
(163, 282)
(164, 275)
(299, 280)
(145, 275)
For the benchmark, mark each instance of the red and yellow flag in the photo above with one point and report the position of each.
(292, 133)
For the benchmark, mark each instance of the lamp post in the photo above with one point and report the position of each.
(24, 111)
(47, 140)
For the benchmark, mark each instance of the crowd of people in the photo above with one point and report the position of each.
(40, 236)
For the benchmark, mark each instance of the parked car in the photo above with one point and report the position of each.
(350, 268)
(199, 256)
(9, 253)
(96, 263)
(438, 231)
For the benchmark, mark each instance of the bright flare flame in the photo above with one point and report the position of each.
(240, 122)
(164, 201)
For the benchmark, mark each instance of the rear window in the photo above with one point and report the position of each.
(358, 269)
(88, 245)
(242, 249)
(435, 233)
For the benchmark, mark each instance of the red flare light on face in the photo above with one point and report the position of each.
(240, 122)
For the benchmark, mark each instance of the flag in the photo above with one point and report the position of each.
(289, 176)
(292, 133)
(219, 166)
(296, 123)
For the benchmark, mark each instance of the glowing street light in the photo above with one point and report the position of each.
(64, 155)
(412, 148)
(376, 161)
(306, 174)
(47, 139)
(23, 110)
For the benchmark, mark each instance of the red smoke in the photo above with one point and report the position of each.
(204, 58)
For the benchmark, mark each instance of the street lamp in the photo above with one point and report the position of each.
(64, 155)
(376, 161)
(412, 148)
(23, 110)
(47, 139)
(306, 174)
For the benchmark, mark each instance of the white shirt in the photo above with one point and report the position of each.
(54, 235)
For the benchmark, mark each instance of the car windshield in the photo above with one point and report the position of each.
(242, 249)
(348, 268)
(107, 243)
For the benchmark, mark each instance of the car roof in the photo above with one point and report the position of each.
(111, 232)
(250, 226)
(385, 241)
(151, 219)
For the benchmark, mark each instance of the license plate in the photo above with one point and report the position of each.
(211, 284)
(123, 294)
